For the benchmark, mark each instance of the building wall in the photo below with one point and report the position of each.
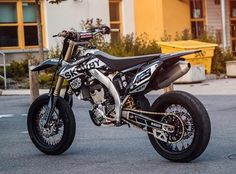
(176, 16)
(149, 18)
(69, 14)
(214, 19)
(213, 15)
(158, 16)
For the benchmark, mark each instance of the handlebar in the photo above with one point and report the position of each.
(61, 34)
(85, 35)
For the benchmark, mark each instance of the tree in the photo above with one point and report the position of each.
(33, 76)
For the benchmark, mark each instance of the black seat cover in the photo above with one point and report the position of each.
(121, 63)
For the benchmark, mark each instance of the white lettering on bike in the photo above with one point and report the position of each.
(76, 70)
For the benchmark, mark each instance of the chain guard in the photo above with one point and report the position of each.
(138, 119)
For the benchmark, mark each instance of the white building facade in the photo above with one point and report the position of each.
(19, 36)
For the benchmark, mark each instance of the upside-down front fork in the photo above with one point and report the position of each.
(69, 95)
(55, 92)
(53, 97)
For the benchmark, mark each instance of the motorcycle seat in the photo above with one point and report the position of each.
(122, 63)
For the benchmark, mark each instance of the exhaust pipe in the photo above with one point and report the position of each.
(168, 76)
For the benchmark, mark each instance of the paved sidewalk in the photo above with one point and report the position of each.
(208, 87)
(9, 92)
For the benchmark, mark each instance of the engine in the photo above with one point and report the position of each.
(103, 102)
(103, 105)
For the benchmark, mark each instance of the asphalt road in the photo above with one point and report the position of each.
(113, 150)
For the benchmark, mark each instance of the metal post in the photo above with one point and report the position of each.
(224, 29)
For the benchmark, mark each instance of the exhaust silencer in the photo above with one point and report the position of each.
(168, 76)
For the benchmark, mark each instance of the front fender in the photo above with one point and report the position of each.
(46, 64)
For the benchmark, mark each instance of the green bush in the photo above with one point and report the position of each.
(220, 55)
(184, 35)
(207, 36)
(54, 52)
(131, 46)
(166, 37)
(45, 79)
(18, 70)
(219, 59)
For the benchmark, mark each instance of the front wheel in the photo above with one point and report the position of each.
(59, 135)
(192, 126)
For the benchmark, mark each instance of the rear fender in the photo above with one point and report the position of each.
(179, 54)
(172, 58)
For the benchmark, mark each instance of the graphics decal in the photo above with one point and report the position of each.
(71, 72)
(141, 80)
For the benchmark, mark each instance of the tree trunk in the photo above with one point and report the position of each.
(33, 76)
(33, 80)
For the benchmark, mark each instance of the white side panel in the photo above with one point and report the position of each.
(213, 15)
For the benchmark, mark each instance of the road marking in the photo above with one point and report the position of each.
(24, 132)
(12, 115)
(6, 115)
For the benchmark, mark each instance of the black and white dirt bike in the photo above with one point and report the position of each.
(177, 123)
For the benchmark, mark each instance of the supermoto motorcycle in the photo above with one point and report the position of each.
(177, 123)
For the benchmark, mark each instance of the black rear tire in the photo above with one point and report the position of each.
(64, 123)
(200, 124)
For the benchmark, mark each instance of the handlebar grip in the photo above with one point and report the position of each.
(106, 30)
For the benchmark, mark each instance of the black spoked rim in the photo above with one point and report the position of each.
(51, 136)
(182, 138)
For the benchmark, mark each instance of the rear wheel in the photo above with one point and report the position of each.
(59, 135)
(192, 126)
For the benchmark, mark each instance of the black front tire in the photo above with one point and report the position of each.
(66, 117)
(200, 120)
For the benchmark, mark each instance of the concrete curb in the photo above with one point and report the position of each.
(21, 92)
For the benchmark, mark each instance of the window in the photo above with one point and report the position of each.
(8, 25)
(197, 17)
(30, 24)
(18, 24)
(115, 19)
